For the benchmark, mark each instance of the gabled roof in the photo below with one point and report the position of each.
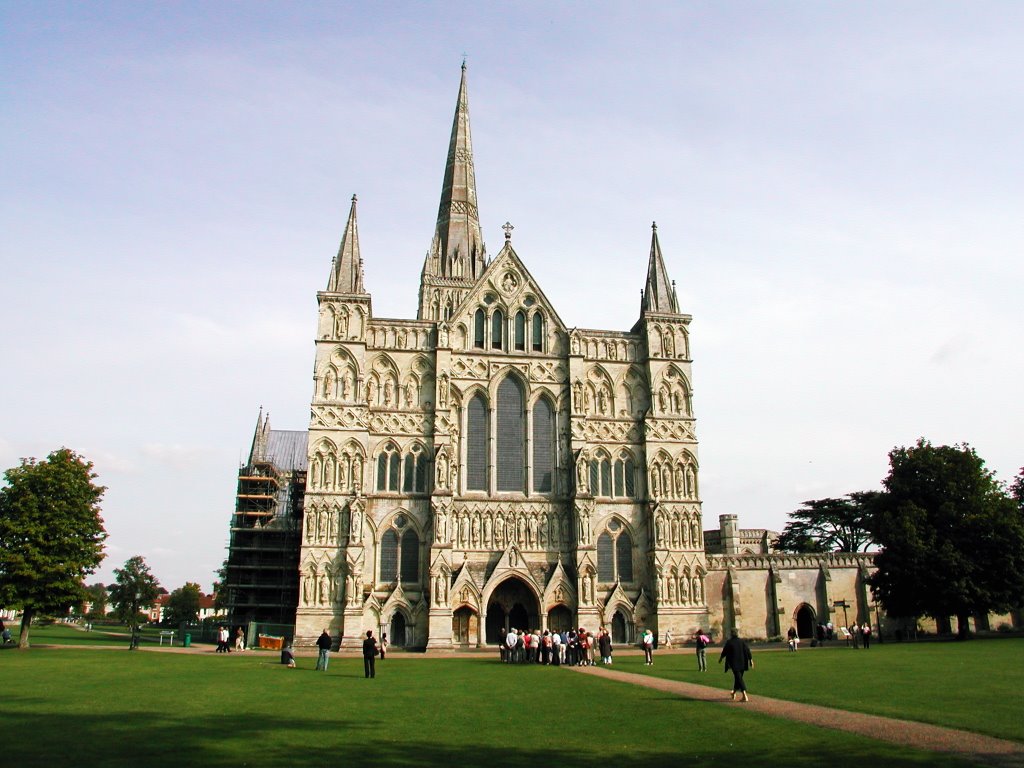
(509, 278)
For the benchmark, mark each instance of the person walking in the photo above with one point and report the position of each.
(738, 659)
(239, 639)
(604, 643)
(383, 645)
(793, 639)
(702, 642)
(324, 644)
(647, 643)
(668, 639)
(369, 654)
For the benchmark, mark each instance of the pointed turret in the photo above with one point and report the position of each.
(659, 294)
(258, 450)
(457, 252)
(347, 267)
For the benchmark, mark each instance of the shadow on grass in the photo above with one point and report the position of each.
(289, 739)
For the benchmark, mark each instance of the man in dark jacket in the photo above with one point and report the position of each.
(324, 644)
(737, 658)
(369, 654)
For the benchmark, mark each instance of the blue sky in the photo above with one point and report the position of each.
(838, 190)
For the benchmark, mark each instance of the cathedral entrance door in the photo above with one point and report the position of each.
(805, 622)
(619, 629)
(465, 625)
(559, 619)
(397, 638)
(512, 605)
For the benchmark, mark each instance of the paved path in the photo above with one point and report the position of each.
(988, 749)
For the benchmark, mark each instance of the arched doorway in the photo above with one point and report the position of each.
(559, 619)
(397, 632)
(620, 634)
(465, 626)
(805, 622)
(512, 605)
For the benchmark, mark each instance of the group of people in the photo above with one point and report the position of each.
(574, 647)
(224, 640)
(855, 635)
(372, 648)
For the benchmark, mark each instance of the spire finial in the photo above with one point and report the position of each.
(654, 226)
(508, 231)
(354, 198)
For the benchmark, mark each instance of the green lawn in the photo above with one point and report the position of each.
(112, 708)
(65, 634)
(973, 685)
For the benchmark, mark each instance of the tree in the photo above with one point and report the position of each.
(183, 604)
(220, 588)
(952, 539)
(51, 534)
(830, 525)
(134, 586)
(96, 595)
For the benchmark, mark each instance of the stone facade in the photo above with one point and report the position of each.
(486, 465)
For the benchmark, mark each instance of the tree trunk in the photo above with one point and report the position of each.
(963, 631)
(26, 622)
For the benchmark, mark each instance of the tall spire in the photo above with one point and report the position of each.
(457, 250)
(259, 439)
(347, 268)
(659, 294)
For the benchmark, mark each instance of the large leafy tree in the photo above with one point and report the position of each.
(134, 587)
(952, 539)
(830, 525)
(96, 594)
(51, 534)
(183, 604)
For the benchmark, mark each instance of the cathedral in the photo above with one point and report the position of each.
(486, 466)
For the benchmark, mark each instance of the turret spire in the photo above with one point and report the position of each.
(457, 250)
(347, 268)
(659, 295)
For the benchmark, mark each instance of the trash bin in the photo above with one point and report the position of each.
(187, 640)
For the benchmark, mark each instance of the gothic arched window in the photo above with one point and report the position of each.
(606, 477)
(543, 446)
(410, 556)
(497, 329)
(605, 558)
(478, 329)
(624, 557)
(389, 556)
(414, 477)
(511, 436)
(476, 444)
(520, 332)
(624, 477)
(388, 468)
(615, 553)
(538, 332)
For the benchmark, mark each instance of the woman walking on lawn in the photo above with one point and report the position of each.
(739, 659)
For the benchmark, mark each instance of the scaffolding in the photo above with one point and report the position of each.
(262, 581)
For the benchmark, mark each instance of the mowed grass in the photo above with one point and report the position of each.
(975, 685)
(117, 707)
(104, 634)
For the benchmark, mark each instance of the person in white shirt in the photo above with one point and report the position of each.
(510, 643)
